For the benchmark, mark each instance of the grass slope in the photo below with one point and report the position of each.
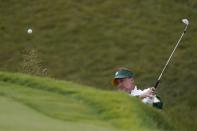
(15, 116)
(84, 41)
(32, 103)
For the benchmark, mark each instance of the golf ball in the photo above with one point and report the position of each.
(29, 31)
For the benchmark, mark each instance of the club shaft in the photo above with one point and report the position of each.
(158, 80)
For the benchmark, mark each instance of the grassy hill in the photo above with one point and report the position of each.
(32, 103)
(85, 41)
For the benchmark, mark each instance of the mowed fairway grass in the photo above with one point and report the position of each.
(16, 116)
(32, 103)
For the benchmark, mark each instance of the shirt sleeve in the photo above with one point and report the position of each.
(136, 92)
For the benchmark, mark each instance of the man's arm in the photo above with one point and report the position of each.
(149, 92)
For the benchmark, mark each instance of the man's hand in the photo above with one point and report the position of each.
(149, 92)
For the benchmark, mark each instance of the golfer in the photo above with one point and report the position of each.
(124, 80)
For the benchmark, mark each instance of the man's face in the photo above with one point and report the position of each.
(127, 84)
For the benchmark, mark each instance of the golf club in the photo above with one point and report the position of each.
(186, 22)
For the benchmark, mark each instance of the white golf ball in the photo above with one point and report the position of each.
(29, 31)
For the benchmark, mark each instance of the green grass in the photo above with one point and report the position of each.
(42, 104)
(85, 41)
(15, 116)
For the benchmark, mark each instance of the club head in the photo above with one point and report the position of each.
(185, 21)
